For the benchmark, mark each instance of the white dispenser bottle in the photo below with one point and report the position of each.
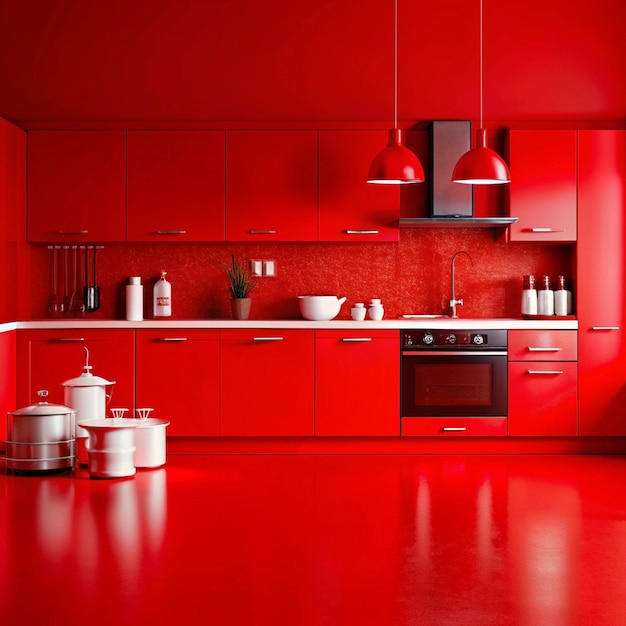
(134, 299)
(162, 297)
(545, 298)
(562, 298)
(529, 296)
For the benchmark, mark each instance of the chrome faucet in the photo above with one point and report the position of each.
(454, 300)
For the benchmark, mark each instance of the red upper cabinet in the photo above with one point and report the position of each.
(350, 208)
(176, 185)
(271, 185)
(601, 282)
(543, 185)
(357, 381)
(77, 185)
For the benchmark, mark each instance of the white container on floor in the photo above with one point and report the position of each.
(150, 442)
(110, 447)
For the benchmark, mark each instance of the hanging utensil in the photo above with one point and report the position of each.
(96, 288)
(53, 307)
(65, 304)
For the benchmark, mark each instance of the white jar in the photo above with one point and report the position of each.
(562, 298)
(134, 299)
(529, 296)
(545, 298)
(376, 311)
(358, 311)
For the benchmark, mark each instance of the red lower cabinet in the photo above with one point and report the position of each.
(178, 375)
(543, 383)
(47, 358)
(268, 382)
(543, 398)
(357, 378)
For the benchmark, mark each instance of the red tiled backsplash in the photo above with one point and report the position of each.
(412, 276)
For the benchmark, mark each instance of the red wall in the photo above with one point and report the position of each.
(412, 276)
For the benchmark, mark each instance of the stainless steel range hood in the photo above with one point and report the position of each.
(451, 204)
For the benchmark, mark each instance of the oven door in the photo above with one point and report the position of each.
(454, 384)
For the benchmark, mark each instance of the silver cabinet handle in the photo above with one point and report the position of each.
(544, 372)
(171, 339)
(355, 339)
(170, 232)
(605, 328)
(361, 232)
(267, 338)
(531, 349)
(69, 339)
(261, 232)
(428, 353)
(72, 232)
(452, 429)
(546, 230)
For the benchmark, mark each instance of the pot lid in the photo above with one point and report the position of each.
(43, 408)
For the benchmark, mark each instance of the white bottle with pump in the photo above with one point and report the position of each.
(134, 299)
(562, 298)
(162, 297)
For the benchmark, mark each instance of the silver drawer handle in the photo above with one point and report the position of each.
(453, 429)
(531, 349)
(267, 338)
(170, 232)
(72, 232)
(355, 339)
(69, 339)
(546, 230)
(544, 372)
(361, 232)
(605, 328)
(172, 339)
(261, 232)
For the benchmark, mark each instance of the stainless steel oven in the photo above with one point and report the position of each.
(452, 373)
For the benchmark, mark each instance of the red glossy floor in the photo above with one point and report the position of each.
(312, 540)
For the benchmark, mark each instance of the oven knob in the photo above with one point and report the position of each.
(451, 339)
(428, 338)
(408, 340)
(478, 339)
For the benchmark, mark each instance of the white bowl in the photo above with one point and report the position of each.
(320, 308)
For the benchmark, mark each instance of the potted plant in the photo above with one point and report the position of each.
(240, 286)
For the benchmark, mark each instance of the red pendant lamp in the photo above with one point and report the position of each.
(481, 165)
(395, 164)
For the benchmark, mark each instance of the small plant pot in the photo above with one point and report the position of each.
(241, 308)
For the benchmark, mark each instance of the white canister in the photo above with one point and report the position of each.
(376, 311)
(87, 395)
(162, 297)
(111, 447)
(150, 442)
(545, 298)
(134, 299)
(358, 311)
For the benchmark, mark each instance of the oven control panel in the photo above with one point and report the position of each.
(466, 339)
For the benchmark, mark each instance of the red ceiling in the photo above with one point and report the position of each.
(330, 60)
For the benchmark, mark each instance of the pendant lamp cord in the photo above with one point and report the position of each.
(395, 66)
(480, 62)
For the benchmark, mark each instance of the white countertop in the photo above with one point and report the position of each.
(385, 324)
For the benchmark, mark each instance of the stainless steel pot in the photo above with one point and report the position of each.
(40, 437)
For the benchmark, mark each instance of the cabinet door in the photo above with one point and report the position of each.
(47, 358)
(271, 185)
(267, 382)
(77, 185)
(543, 345)
(357, 378)
(601, 263)
(543, 185)
(178, 374)
(542, 398)
(350, 208)
(176, 185)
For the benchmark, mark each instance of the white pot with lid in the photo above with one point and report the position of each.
(87, 395)
(40, 437)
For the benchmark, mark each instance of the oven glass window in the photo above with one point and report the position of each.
(467, 385)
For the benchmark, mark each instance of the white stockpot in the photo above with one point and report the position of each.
(87, 395)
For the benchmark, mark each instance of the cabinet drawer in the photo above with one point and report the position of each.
(543, 345)
(454, 427)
